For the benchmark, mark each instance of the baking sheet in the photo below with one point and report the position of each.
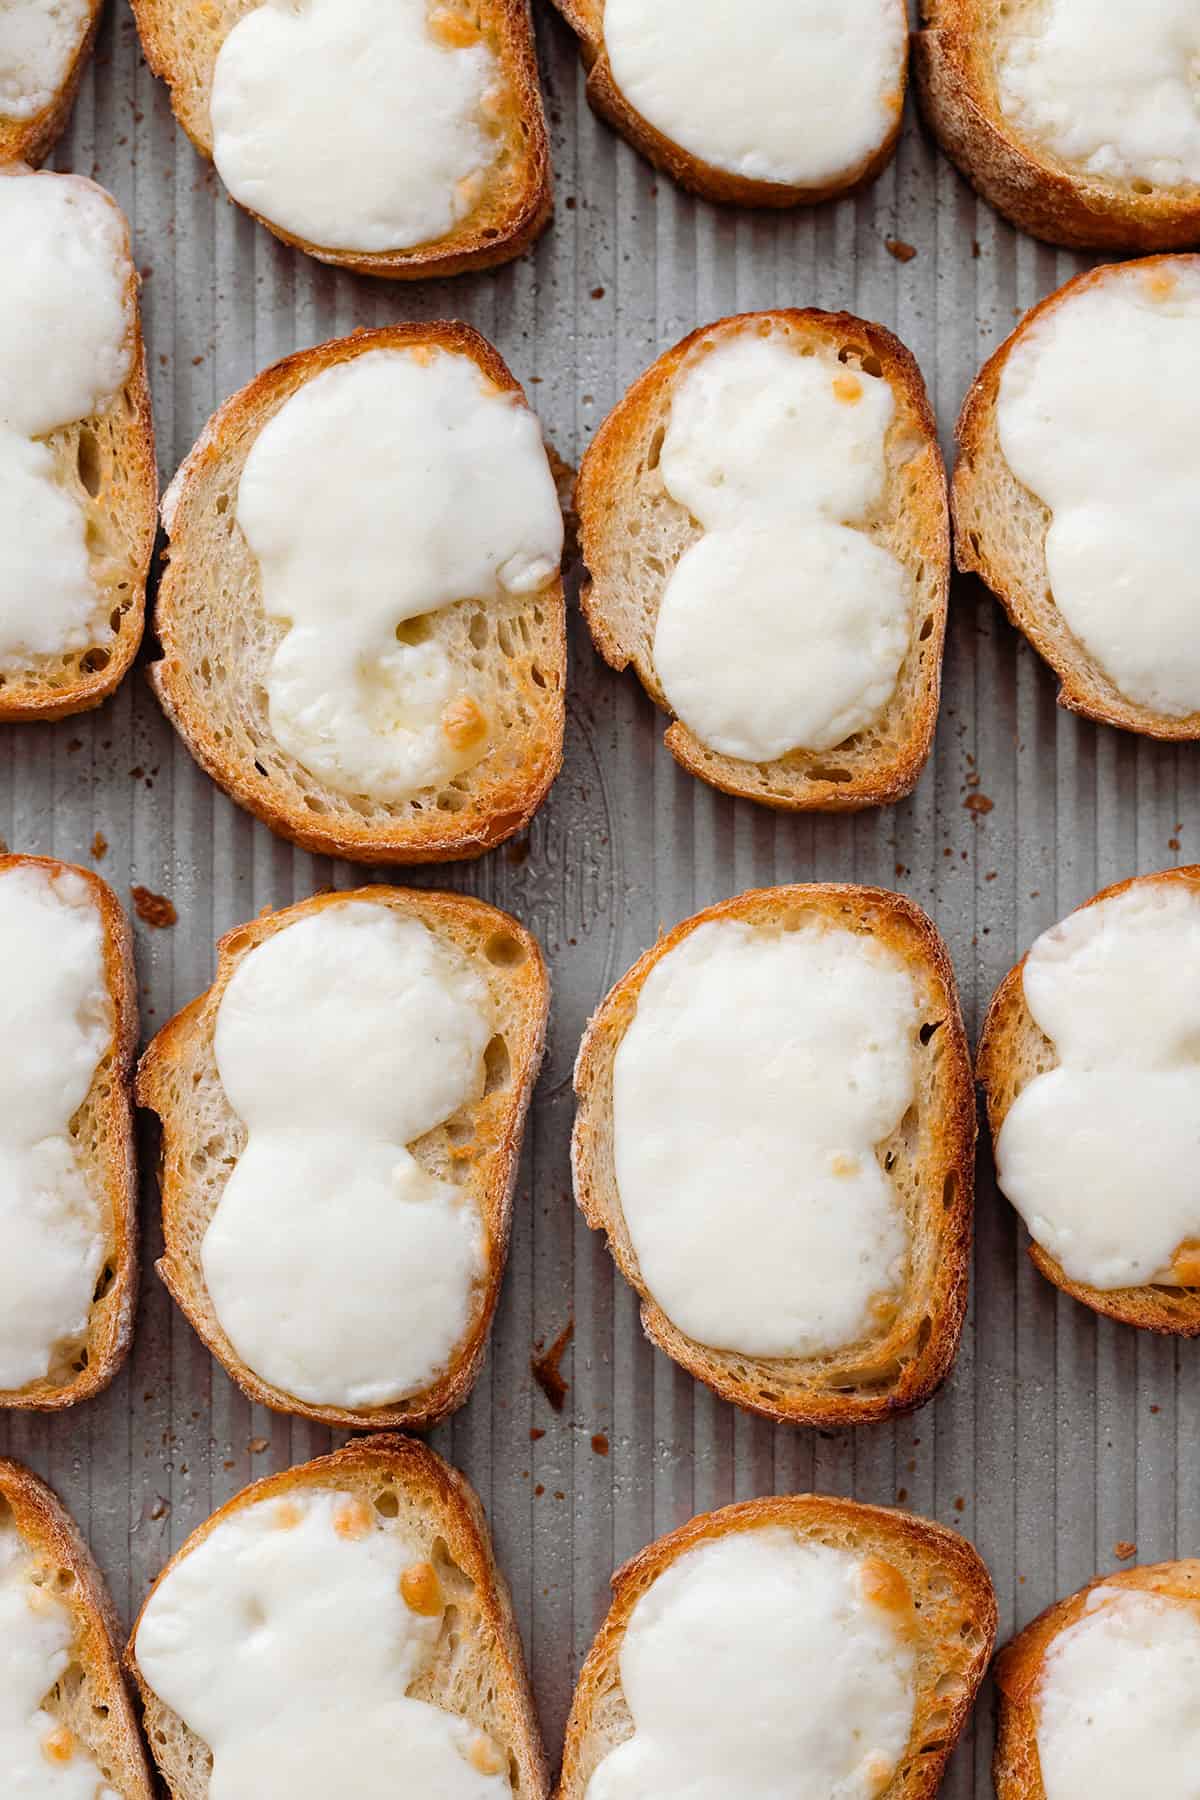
(1060, 1435)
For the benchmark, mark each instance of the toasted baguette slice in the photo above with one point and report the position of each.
(478, 1671)
(1000, 534)
(103, 1133)
(31, 139)
(1013, 1050)
(955, 1610)
(954, 61)
(90, 1697)
(930, 1158)
(106, 463)
(217, 644)
(182, 40)
(1016, 1768)
(586, 19)
(202, 1136)
(633, 535)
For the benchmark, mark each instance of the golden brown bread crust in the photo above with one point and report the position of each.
(1037, 190)
(180, 1057)
(457, 1518)
(985, 498)
(1016, 1768)
(586, 19)
(501, 802)
(107, 1724)
(956, 1619)
(515, 210)
(915, 1351)
(106, 1118)
(117, 491)
(31, 140)
(849, 776)
(1013, 1051)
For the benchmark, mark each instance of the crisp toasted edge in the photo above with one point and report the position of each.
(1016, 1768)
(899, 922)
(437, 839)
(891, 780)
(164, 1052)
(120, 1162)
(463, 248)
(1084, 688)
(94, 688)
(585, 17)
(1008, 1016)
(463, 1525)
(1037, 191)
(46, 1525)
(963, 1565)
(31, 140)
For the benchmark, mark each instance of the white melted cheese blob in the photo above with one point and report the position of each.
(348, 124)
(750, 1089)
(782, 627)
(65, 350)
(1099, 1154)
(1097, 416)
(282, 1639)
(341, 1270)
(387, 487)
(55, 1025)
(1114, 88)
(792, 91)
(1118, 1703)
(40, 1758)
(39, 40)
(760, 1665)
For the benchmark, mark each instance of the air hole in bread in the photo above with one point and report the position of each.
(460, 1130)
(1142, 187)
(926, 630)
(924, 1333)
(536, 676)
(655, 450)
(950, 1189)
(504, 951)
(386, 1504)
(87, 461)
(64, 1581)
(94, 661)
(497, 1065)
(222, 503)
(927, 1030)
(104, 1283)
(819, 772)
(413, 631)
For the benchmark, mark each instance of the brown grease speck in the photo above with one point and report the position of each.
(153, 909)
(546, 1370)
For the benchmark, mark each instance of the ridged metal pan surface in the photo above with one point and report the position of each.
(1060, 1435)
